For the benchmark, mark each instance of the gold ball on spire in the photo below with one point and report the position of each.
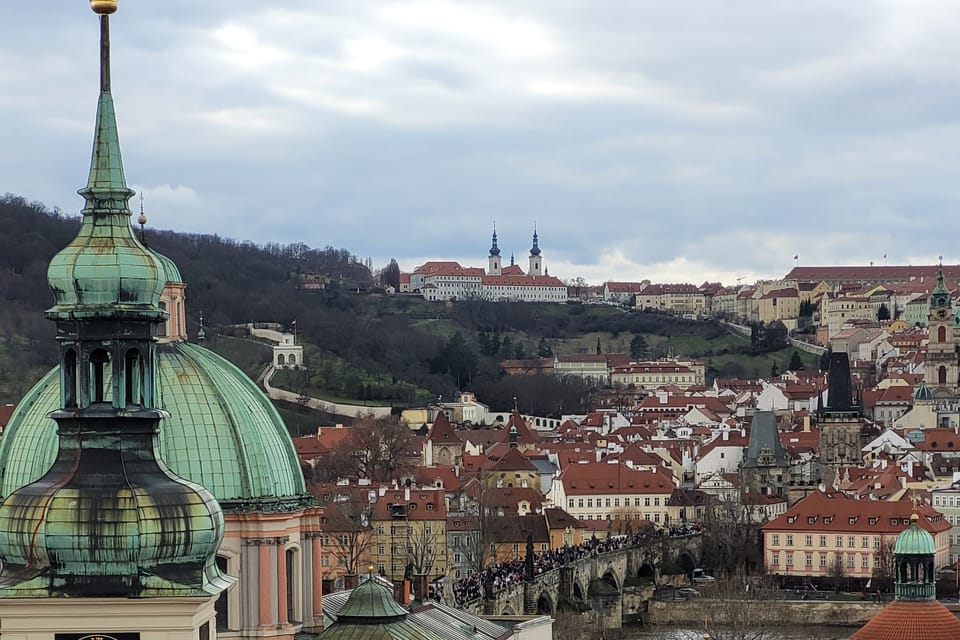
(103, 7)
(142, 220)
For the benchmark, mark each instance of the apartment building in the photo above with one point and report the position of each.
(832, 535)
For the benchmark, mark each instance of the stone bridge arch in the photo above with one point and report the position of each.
(546, 605)
(611, 578)
(686, 562)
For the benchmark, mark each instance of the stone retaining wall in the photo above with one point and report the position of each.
(696, 610)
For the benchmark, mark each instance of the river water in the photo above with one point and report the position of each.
(811, 632)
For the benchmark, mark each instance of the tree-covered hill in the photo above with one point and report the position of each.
(359, 345)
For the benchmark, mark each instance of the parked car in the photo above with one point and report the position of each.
(699, 577)
(688, 592)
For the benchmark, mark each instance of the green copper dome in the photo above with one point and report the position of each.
(914, 541)
(222, 433)
(171, 272)
(371, 601)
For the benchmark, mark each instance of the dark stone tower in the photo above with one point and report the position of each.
(840, 422)
(766, 467)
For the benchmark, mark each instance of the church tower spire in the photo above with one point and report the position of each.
(493, 261)
(942, 373)
(108, 519)
(536, 264)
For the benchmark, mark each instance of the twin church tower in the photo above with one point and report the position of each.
(495, 264)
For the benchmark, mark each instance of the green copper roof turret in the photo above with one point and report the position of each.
(105, 270)
(914, 554)
(106, 517)
(940, 296)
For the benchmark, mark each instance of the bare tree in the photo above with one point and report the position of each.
(731, 612)
(380, 449)
(482, 505)
(348, 527)
(424, 548)
(884, 570)
(731, 542)
(837, 570)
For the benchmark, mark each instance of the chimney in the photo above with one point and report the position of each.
(406, 494)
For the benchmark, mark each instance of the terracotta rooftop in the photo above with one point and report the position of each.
(441, 432)
(903, 620)
(604, 478)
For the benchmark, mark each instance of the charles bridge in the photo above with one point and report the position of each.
(609, 583)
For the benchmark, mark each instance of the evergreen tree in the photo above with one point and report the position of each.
(883, 313)
(506, 348)
(639, 349)
(774, 370)
(825, 360)
(599, 350)
(543, 349)
(795, 362)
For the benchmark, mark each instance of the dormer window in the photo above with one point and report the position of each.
(852, 520)
(873, 521)
(827, 519)
(812, 520)
(791, 519)
(894, 521)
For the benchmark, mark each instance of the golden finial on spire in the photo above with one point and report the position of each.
(103, 7)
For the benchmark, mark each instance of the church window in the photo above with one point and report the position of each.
(70, 378)
(941, 334)
(222, 605)
(293, 585)
(99, 361)
(942, 375)
(133, 377)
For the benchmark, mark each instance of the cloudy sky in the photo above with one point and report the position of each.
(676, 141)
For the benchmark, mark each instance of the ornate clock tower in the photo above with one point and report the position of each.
(942, 373)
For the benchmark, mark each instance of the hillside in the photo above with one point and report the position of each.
(358, 347)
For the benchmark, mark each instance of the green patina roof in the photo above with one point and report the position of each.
(222, 433)
(914, 541)
(371, 600)
(372, 613)
(171, 271)
(105, 268)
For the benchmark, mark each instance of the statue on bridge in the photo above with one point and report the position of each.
(528, 561)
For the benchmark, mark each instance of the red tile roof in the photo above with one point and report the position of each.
(904, 620)
(604, 478)
(6, 411)
(423, 504)
(872, 273)
(441, 432)
(624, 287)
(836, 513)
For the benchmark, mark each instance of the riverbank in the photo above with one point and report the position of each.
(737, 613)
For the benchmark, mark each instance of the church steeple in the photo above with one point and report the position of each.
(536, 264)
(108, 518)
(493, 261)
(494, 249)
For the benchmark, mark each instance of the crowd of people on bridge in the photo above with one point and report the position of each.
(503, 575)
